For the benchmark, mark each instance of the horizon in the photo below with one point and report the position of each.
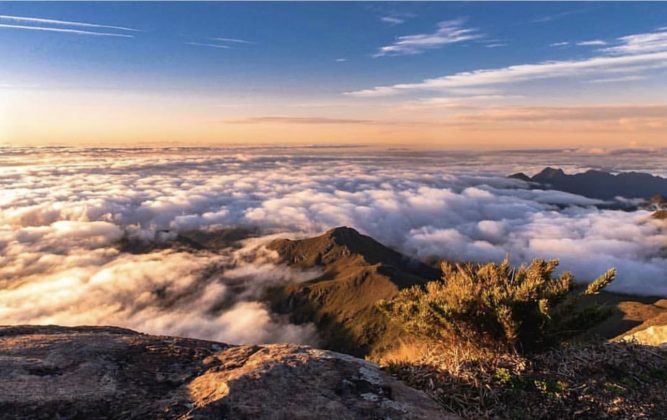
(430, 76)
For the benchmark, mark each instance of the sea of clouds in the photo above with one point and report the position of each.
(63, 212)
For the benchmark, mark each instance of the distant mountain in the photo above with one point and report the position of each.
(599, 184)
(357, 272)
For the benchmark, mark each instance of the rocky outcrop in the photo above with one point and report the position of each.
(105, 372)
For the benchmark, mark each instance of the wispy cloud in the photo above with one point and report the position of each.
(392, 20)
(557, 16)
(232, 40)
(299, 120)
(447, 32)
(63, 30)
(634, 54)
(565, 113)
(63, 23)
(342, 60)
(204, 44)
(221, 43)
(559, 44)
(496, 45)
(630, 78)
(592, 43)
(458, 102)
(640, 43)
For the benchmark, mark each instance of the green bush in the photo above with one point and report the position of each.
(496, 305)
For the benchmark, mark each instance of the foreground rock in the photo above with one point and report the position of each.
(106, 372)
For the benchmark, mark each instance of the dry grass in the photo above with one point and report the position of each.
(610, 380)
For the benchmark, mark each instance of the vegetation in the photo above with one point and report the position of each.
(605, 380)
(496, 306)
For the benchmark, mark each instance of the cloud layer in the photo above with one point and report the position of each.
(63, 211)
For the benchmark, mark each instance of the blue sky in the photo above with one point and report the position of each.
(334, 53)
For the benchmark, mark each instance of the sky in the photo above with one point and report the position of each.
(431, 75)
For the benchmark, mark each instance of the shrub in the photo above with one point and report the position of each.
(496, 306)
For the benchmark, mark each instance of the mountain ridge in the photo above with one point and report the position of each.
(357, 272)
(599, 184)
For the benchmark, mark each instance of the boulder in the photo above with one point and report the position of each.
(108, 372)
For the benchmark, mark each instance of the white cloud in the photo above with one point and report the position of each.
(522, 73)
(392, 20)
(64, 23)
(205, 44)
(622, 79)
(634, 54)
(592, 42)
(62, 212)
(559, 44)
(232, 40)
(640, 43)
(341, 60)
(447, 32)
(64, 30)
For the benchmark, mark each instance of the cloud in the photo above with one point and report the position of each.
(64, 30)
(640, 43)
(341, 60)
(222, 43)
(392, 20)
(557, 16)
(447, 32)
(559, 44)
(299, 120)
(232, 40)
(204, 44)
(622, 79)
(458, 102)
(322, 121)
(522, 73)
(62, 213)
(634, 54)
(64, 23)
(593, 42)
(570, 113)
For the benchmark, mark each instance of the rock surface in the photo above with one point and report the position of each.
(106, 372)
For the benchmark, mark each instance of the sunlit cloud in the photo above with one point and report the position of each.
(571, 113)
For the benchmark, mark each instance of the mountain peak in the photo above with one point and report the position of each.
(344, 235)
(550, 172)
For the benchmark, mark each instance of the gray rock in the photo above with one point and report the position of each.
(106, 372)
